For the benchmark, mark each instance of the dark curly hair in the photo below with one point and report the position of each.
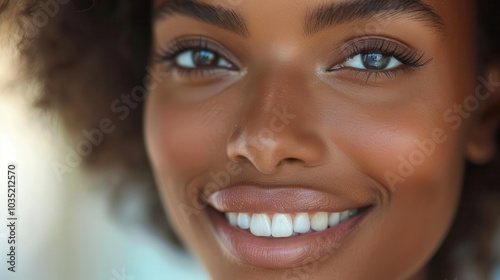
(91, 52)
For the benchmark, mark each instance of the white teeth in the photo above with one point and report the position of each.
(344, 216)
(260, 225)
(334, 219)
(319, 221)
(244, 220)
(301, 223)
(282, 225)
(233, 218)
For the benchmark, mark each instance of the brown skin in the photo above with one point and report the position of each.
(347, 134)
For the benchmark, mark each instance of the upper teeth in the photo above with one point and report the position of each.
(284, 225)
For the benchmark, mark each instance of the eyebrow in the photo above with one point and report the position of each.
(216, 15)
(337, 13)
(320, 18)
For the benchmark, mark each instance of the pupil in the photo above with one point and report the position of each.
(376, 61)
(204, 58)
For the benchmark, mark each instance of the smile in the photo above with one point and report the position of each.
(281, 225)
(284, 226)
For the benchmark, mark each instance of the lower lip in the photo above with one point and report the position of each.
(275, 253)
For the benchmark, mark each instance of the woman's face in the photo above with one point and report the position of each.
(320, 139)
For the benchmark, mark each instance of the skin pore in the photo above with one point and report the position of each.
(359, 101)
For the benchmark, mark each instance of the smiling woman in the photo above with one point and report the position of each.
(297, 139)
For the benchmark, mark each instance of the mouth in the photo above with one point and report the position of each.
(283, 227)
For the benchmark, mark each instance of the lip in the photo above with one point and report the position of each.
(280, 253)
(284, 199)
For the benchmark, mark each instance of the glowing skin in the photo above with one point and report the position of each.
(286, 108)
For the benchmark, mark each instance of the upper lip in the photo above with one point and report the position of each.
(253, 198)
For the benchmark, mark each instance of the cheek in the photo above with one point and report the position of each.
(182, 139)
(422, 180)
(417, 158)
(416, 144)
(402, 153)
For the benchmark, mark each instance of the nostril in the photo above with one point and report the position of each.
(241, 159)
(290, 160)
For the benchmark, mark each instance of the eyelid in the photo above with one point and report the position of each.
(180, 44)
(378, 44)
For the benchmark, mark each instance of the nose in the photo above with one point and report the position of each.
(276, 127)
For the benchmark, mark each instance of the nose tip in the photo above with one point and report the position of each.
(269, 151)
(263, 154)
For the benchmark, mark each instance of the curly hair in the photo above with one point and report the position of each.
(89, 53)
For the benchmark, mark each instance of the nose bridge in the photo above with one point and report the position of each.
(272, 128)
(270, 102)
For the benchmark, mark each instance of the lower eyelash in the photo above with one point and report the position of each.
(194, 73)
(372, 76)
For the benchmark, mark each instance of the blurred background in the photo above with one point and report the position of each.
(65, 227)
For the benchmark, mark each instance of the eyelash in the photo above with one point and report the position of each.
(179, 46)
(405, 55)
(410, 59)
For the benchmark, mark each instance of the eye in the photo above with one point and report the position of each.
(197, 59)
(201, 58)
(372, 61)
(376, 55)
